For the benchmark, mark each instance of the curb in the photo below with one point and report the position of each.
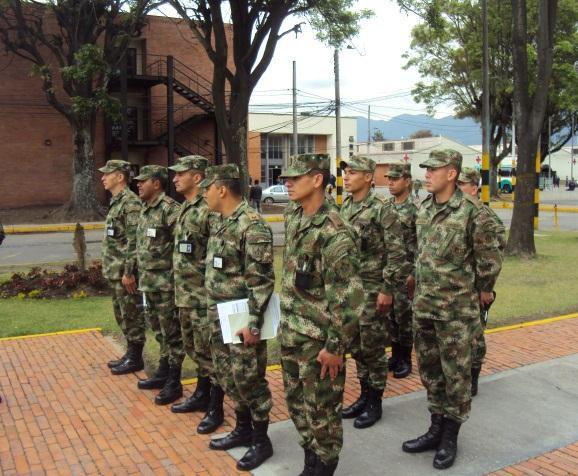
(543, 208)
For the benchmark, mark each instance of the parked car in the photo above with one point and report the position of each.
(275, 194)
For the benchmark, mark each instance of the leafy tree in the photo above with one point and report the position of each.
(378, 135)
(242, 50)
(421, 134)
(74, 46)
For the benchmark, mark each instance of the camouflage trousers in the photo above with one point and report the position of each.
(240, 372)
(479, 346)
(444, 357)
(196, 333)
(162, 317)
(368, 346)
(128, 313)
(400, 318)
(314, 404)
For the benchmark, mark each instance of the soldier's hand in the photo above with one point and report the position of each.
(329, 362)
(129, 283)
(247, 338)
(410, 286)
(486, 298)
(384, 303)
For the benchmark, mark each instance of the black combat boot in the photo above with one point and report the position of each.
(114, 363)
(403, 368)
(357, 407)
(215, 415)
(372, 412)
(448, 448)
(475, 377)
(159, 379)
(133, 362)
(393, 361)
(310, 463)
(430, 440)
(173, 389)
(242, 435)
(261, 448)
(198, 401)
(325, 469)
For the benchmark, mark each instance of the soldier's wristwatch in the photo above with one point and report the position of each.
(255, 331)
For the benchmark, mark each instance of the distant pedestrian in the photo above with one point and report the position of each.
(255, 194)
(2, 234)
(416, 188)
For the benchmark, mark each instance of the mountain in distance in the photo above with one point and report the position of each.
(466, 131)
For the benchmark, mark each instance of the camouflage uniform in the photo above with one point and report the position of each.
(240, 266)
(381, 257)
(119, 257)
(192, 232)
(458, 256)
(321, 302)
(155, 241)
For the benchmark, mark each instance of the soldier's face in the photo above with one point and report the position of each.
(211, 194)
(302, 187)
(398, 185)
(146, 189)
(355, 180)
(439, 178)
(186, 181)
(109, 181)
(469, 188)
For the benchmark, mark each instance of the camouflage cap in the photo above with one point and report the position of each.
(190, 162)
(359, 162)
(441, 158)
(302, 164)
(220, 172)
(152, 171)
(398, 170)
(469, 174)
(113, 165)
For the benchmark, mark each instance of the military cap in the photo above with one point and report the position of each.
(220, 172)
(469, 174)
(441, 158)
(113, 165)
(302, 164)
(190, 162)
(359, 162)
(152, 171)
(398, 170)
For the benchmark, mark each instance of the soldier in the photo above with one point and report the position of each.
(321, 302)
(119, 263)
(192, 232)
(381, 257)
(2, 235)
(240, 266)
(468, 182)
(400, 317)
(457, 263)
(155, 242)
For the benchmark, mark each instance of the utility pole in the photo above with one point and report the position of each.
(485, 109)
(572, 149)
(514, 158)
(549, 156)
(368, 128)
(295, 137)
(339, 199)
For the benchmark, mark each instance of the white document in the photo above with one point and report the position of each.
(234, 315)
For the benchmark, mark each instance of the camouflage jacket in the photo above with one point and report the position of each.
(458, 256)
(322, 296)
(192, 232)
(154, 244)
(119, 242)
(240, 261)
(378, 232)
(407, 212)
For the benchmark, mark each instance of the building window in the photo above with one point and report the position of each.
(272, 147)
(388, 147)
(407, 145)
(305, 144)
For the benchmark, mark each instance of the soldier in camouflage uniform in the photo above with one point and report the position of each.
(240, 266)
(322, 300)
(192, 232)
(119, 265)
(381, 257)
(457, 263)
(400, 318)
(468, 182)
(155, 242)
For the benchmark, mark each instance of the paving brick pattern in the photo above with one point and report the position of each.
(64, 413)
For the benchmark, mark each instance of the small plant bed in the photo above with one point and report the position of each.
(71, 282)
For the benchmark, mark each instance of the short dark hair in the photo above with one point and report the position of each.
(256, 182)
(457, 168)
(125, 174)
(162, 179)
(232, 185)
(325, 173)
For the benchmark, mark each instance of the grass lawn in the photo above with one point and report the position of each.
(526, 290)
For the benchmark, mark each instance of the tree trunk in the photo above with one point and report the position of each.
(494, 189)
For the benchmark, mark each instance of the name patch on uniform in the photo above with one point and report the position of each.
(217, 262)
(185, 247)
(110, 231)
(151, 232)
